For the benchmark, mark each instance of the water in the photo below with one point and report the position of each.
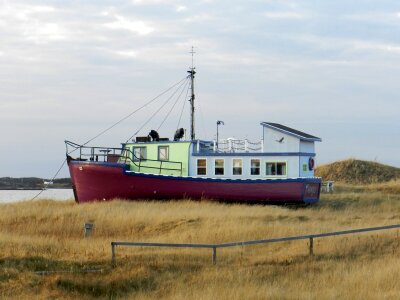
(8, 196)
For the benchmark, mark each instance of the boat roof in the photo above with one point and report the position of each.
(291, 131)
(162, 141)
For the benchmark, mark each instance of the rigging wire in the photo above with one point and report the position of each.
(183, 107)
(129, 115)
(54, 177)
(202, 119)
(109, 128)
(152, 116)
(202, 123)
(177, 99)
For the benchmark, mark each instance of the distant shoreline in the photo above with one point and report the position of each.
(33, 183)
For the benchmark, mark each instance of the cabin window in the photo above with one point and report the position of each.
(139, 153)
(163, 152)
(255, 167)
(201, 166)
(237, 167)
(219, 167)
(276, 169)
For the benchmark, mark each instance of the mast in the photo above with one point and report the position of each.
(192, 72)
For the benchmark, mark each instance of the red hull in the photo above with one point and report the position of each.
(104, 181)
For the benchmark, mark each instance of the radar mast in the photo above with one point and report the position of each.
(192, 72)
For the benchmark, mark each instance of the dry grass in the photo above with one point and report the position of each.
(48, 235)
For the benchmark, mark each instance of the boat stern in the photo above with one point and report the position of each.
(312, 191)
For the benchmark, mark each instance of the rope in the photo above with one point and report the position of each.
(135, 111)
(156, 112)
(183, 107)
(179, 97)
(201, 119)
(54, 177)
(109, 128)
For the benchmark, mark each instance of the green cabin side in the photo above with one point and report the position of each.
(162, 157)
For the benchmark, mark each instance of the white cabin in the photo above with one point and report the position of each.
(282, 153)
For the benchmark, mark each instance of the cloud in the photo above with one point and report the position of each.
(150, 2)
(31, 22)
(390, 18)
(285, 15)
(23, 12)
(181, 8)
(138, 27)
(202, 17)
(160, 2)
(379, 46)
(45, 32)
(127, 53)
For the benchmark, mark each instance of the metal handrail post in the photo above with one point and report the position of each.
(214, 256)
(113, 257)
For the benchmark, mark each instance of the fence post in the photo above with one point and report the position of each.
(113, 259)
(214, 257)
(311, 246)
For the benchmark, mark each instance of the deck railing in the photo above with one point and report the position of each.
(214, 247)
(327, 186)
(122, 155)
(229, 146)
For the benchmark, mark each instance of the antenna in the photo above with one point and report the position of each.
(192, 52)
(219, 123)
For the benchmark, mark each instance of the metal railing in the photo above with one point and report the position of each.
(160, 167)
(122, 155)
(214, 247)
(228, 146)
(327, 186)
(95, 153)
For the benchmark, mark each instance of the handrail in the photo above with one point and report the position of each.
(214, 247)
(229, 146)
(94, 157)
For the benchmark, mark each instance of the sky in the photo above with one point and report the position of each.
(70, 69)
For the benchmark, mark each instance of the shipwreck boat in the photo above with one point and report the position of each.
(279, 168)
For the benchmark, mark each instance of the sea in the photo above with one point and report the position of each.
(9, 196)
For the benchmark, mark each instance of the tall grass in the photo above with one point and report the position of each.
(48, 235)
(356, 171)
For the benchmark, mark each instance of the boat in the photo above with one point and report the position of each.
(277, 169)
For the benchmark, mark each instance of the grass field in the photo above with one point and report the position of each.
(48, 236)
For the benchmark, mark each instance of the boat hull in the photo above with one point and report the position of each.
(96, 181)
